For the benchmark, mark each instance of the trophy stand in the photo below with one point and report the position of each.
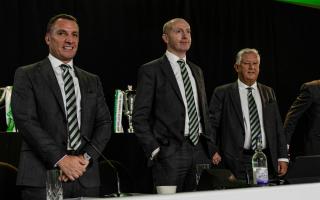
(128, 101)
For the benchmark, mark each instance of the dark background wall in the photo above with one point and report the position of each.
(116, 37)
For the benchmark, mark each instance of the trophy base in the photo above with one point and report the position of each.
(130, 130)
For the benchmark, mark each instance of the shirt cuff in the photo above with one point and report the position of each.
(56, 165)
(154, 153)
(283, 159)
(86, 156)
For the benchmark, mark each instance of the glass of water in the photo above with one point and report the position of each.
(53, 185)
(199, 169)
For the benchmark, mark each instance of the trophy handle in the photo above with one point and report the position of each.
(2, 94)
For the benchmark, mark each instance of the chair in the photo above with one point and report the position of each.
(8, 175)
(304, 169)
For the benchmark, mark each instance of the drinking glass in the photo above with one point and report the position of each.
(53, 185)
(199, 169)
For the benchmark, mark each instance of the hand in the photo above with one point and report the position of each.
(63, 177)
(282, 168)
(72, 167)
(216, 158)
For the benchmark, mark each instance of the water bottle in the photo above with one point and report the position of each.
(260, 166)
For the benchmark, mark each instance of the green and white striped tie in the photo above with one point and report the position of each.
(71, 108)
(254, 120)
(192, 111)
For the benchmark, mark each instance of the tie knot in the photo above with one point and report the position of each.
(249, 89)
(181, 62)
(64, 67)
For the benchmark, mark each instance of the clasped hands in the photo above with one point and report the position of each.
(72, 167)
(216, 158)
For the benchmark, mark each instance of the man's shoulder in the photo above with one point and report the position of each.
(226, 87)
(34, 66)
(154, 65)
(312, 83)
(225, 90)
(156, 62)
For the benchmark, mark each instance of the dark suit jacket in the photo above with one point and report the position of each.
(40, 117)
(308, 102)
(159, 112)
(228, 125)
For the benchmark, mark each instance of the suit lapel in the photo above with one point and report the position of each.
(199, 84)
(50, 78)
(83, 88)
(235, 98)
(197, 78)
(167, 69)
(263, 95)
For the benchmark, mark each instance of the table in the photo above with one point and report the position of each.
(292, 192)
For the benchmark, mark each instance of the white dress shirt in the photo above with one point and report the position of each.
(177, 73)
(59, 72)
(243, 91)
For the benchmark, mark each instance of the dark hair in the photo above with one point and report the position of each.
(60, 16)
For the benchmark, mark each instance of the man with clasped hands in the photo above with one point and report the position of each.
(41, 104)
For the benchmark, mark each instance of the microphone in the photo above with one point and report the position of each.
(118, 194)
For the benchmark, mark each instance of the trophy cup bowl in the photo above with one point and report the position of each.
(128, 102)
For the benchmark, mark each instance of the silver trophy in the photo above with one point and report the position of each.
(128, 101)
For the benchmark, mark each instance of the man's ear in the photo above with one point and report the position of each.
(47, 39)
(236, 67)
(165, 38)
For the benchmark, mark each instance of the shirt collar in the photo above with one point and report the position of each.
(55, 62)
(173, 58)
(241, 85)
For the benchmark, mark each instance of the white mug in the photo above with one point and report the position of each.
(166, 189)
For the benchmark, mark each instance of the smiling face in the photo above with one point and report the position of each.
(248, 68)
(177, 36)
(63, 39)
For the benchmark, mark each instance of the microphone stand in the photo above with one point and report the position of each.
(119, 193)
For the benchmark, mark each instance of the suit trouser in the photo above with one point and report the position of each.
(180, 168)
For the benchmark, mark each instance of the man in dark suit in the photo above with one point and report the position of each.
(52, 131)
(229, 114)
(170, 116)
(306, 103)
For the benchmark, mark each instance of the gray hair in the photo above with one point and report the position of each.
(244, 51)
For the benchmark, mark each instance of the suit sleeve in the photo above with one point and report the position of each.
(143, 106)
(297, 109)
(215, 113)
(25, 113)
(208, 133)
